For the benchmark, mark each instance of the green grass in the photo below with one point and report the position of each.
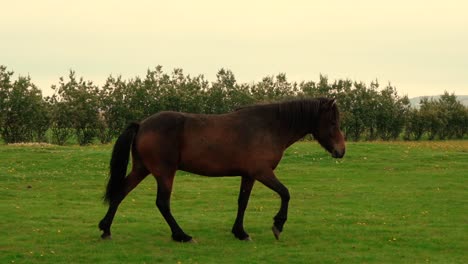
(383, 203)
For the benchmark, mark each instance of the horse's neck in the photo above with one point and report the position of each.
(286, 131)
(291, 136)
(292, 132)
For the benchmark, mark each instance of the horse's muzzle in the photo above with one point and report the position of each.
(337, 154)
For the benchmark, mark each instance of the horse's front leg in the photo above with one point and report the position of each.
(244, 194)
(269, 179)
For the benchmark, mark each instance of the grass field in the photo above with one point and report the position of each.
(383, 203)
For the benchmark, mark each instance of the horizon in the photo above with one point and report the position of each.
(48, 90)
(419, 46)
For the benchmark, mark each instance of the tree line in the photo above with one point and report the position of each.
(81, 110)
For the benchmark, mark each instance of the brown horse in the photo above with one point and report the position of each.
(248, 142)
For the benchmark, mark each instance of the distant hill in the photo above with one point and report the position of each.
(415, 100)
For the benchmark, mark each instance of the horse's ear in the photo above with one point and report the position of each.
(327, 104)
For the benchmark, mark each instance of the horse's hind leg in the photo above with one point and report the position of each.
(165, 179)
(131, 181)
(244, 194)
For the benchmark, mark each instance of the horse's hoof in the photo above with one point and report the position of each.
(182, 238)
(191, 241)
(248, 239)
(241, 235)
(106, 236)
(276, 232)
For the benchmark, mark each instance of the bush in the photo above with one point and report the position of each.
(75, 108)
(24, 115)
(79, 108)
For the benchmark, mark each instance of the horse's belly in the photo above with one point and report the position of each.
(212, 165)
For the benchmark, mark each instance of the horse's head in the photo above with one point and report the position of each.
(328, 132)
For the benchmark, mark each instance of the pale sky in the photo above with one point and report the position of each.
(421, 47)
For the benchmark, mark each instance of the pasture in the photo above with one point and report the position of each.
(401, 202)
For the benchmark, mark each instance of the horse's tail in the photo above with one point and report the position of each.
(118, 165)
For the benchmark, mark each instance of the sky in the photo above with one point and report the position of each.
(420, 47)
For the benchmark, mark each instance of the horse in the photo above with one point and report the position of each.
(248, 142)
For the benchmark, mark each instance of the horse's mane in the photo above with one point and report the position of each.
(295, 113)
(300, 113)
